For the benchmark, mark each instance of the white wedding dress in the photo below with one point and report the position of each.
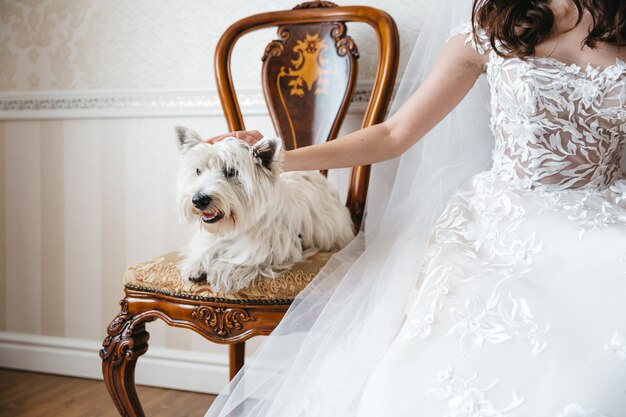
(518, 306)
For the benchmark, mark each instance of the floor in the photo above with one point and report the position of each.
(29, 394)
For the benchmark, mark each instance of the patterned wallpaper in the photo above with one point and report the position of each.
(150, 44)
(118, 74)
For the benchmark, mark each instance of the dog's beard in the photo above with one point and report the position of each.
(219, 218)
(215, 221)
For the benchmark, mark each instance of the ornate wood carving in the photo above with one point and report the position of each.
(315, 4)
(298, 69)
(277, 47)
(222, 320)
(344, 43)
(126, 341)
(218, 322)
(119, 344)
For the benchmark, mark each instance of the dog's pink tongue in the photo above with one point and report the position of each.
(209, 216)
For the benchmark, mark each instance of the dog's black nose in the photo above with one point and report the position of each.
(201, 201)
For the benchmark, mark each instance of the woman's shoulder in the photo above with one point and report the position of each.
(473, 44)
(477, 37)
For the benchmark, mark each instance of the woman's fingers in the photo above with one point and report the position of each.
(249, 136)
(255, 134)
(217, 138)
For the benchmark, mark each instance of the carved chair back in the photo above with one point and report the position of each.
(309, 76)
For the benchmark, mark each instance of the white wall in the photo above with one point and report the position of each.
(90, 91)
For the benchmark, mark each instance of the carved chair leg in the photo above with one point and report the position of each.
(236, 357)
(126, 341)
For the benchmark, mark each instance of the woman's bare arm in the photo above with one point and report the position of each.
(453, 75)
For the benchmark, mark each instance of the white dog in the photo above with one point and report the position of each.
(253, 220)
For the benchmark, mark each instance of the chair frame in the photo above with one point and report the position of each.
(230, 322)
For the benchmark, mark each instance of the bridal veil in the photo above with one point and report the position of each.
(332, 338)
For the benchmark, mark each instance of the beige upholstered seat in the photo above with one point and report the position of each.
(161, 275)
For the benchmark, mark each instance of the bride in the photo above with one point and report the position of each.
(490, 278)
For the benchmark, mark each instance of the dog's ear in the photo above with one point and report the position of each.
(268, 151)
(187, 138)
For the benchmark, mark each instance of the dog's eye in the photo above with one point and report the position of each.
(198, 172)
(230, 172)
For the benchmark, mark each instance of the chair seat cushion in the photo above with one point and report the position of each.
(161, 275)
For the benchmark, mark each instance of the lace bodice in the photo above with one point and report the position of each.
(555, 124)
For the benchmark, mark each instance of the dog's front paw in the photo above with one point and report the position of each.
(199, 278)
(193, 272)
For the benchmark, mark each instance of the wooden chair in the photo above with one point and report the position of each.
(309, 78)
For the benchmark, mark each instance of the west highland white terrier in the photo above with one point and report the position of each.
(253, 220)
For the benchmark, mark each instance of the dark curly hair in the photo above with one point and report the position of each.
(520, 25)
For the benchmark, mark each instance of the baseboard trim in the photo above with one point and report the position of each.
(159, 367)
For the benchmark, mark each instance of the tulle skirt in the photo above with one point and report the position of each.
(519, 309)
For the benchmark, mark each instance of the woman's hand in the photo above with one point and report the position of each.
(249, 136)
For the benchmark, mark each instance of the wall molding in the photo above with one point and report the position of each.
(139, 103)
(159, 367)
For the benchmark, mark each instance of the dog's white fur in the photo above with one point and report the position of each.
(259, 220)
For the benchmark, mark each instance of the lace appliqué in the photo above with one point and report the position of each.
(577, 410)
(466, 399)
(497, 321)
(590, 207)
(482, 46)
(478, 237)
(617, 345)
(556, 126)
